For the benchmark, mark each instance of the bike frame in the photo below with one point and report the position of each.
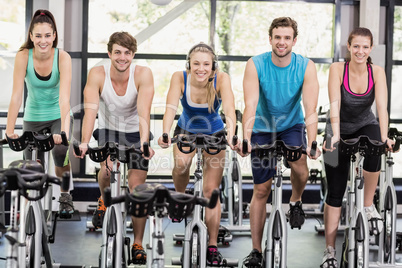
(196, 223)
(276, 228)
(388, 210)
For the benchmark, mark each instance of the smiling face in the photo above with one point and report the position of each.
(282, 41)
(42, 36)
(360, 48)
(201, 65)
(121, 57)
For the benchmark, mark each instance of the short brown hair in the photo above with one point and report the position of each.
(284, 22)
(123, 39)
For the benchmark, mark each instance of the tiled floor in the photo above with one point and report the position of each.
(75, 245)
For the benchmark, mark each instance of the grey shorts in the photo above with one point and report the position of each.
(59, 152)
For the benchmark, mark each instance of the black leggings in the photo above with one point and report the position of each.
(337, 166)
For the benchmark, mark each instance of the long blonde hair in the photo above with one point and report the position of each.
(211, 92)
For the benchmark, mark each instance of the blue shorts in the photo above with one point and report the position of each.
(264, 169)
(127, 139)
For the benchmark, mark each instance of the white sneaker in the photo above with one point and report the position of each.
(375, 221)
(329, 258)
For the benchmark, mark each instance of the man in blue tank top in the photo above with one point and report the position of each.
(275, 85)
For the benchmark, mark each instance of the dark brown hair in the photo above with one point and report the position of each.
(123, 39)
(40, 16)
(359, 31)
(284, 22)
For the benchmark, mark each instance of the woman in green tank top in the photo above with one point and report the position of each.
(46, 71)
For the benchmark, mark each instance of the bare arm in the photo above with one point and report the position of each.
(145, 89)
(65, 90)
(310, 99)
(225, 88)
(381, 99)
(251, 95)
(334, 93)
(172, 103)
(20, 67)
(91, 105)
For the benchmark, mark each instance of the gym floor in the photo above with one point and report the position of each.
(75, 245)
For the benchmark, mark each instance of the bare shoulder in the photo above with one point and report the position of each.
(97, 74)
(377, 69)
(378, 73)
(223, 75)
(64, 55)
(337, 67)
(22, 55)
(142, 70)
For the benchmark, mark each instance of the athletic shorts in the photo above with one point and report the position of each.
(59, 152)
(263, 169)
(127, 139)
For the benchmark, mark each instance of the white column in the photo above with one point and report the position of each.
(370, 17)
(58, 10)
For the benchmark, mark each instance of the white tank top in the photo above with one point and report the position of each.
(118, 112)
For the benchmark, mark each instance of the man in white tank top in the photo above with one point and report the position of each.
(122, 93)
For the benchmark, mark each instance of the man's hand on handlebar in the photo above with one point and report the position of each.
(83, 150)
(150, 150)
(313, 151)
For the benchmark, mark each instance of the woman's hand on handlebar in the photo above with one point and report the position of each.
(12, 136)
(57, 139)
(390, 145)
(329, 143)
(164, 141)
(233, 142)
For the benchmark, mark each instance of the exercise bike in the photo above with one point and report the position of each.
(232, 189)
(355, 249)
(157, 200)
(114, 236)
(387, 208)
(196, 234)
(34, 236)
(275, 252)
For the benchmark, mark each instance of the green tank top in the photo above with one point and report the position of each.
(43, 95)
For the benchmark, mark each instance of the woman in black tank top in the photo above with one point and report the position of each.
(353, 86)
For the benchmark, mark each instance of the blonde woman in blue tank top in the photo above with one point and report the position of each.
(201, 90)
(46, 72)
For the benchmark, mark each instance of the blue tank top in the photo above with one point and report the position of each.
(195, 117)
(355, 111)
(43, 95)
(279, 104)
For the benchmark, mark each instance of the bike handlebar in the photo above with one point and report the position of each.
(113, 149)
(209, 143)
(363, 145)
(291, 153)
(43, 142)
(26, 175)
(148, 198)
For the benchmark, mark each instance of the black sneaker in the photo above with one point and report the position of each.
(214, 257)
(253, 260)
(295, 215)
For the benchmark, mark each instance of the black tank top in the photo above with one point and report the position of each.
(355, 111)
